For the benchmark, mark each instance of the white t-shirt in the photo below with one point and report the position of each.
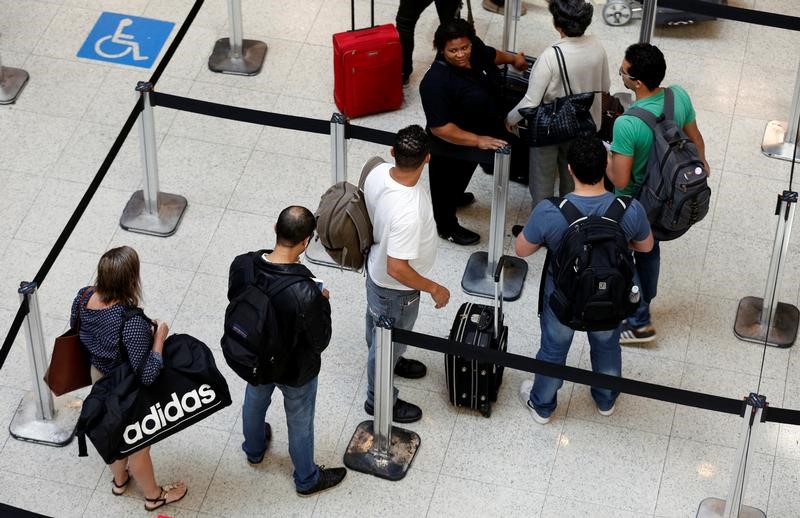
(402, 226)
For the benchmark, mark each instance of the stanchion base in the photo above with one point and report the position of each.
(170, 211)
(479, 281)
(58, 432)
(12, 81)
(715, 508)
(249, 64)
(748, 326)
(316, 254)
(391, 465)
(774, 144)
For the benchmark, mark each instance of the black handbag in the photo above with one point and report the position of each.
(563, 119)
(121, 416)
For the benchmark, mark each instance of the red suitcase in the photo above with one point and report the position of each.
(367, 69)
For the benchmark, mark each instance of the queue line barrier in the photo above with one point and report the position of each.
(754, 406)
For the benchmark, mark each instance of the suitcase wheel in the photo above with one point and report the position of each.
(485, 410)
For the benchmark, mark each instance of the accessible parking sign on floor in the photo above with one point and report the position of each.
(125, 39)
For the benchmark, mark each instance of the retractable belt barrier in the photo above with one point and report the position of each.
(48, 263)
(738, 14)
(682, 397)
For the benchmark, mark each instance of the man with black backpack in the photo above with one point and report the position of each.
(662, 164)
(277, 324)
(587, 281)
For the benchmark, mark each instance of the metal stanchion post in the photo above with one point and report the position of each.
(235, 55)
(315, 253)
(733, 507)
(149, 211)
(780, 136)
(764, 320)
(39, 418)
(378, 448)
(12, 81)
(648, 20)
(511, 18)
(478, 278)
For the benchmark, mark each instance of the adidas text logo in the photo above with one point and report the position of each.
(159, 417)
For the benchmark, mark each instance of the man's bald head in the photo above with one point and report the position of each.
(295, 223)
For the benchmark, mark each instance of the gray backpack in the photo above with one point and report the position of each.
(343, 224)
(675, 192)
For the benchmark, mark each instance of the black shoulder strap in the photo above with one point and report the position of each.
(543, 281)
(669, 104)
(616, 211)
(128, 312)
(277, 286)
(568, 210)
(640, 113)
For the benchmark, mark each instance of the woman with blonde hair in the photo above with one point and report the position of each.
(104, 330)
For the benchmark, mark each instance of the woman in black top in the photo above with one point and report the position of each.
(461, 99)
(101, 327)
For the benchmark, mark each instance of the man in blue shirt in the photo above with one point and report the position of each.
(586, 159)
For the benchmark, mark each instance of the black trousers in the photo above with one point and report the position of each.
(407, 16)
(449, 178)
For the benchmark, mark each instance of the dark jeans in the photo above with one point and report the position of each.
(407, 15)
(449, 178)
(646, 276)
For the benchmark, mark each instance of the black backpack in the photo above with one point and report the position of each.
(252, 343)
(592, 269)
(675, 192)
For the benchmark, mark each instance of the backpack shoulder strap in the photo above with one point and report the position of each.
(644, 115)
(669, 104)
(569, 211)
(273, 288)
(543, 280)
(369, 165)
(616, 211)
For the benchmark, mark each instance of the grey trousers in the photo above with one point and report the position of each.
(547, 164)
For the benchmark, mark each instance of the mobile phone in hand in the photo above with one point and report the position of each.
(319, 282)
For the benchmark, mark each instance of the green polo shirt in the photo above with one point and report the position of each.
(632, 137)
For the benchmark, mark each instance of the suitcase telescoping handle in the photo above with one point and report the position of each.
(353, 14)
(498, 294)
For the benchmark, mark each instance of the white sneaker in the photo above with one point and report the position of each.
(608, 412)
(525, 399)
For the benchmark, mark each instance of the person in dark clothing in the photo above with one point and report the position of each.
(408, 14)
(304, 315)
(463, 107)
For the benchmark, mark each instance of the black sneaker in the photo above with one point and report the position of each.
(465, 199)
(268, 434)
(328, 478)
(460, 236)
(638, 335)
(403, 411)
(411, 369)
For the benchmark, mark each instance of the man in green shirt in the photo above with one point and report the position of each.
(642, 71)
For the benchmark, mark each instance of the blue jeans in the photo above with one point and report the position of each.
(606, 357)
(299, 404)
(646, 277)
(400, 305)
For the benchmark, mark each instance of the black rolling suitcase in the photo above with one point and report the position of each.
(471, 383)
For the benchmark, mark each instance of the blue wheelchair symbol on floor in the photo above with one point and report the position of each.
(127, 40)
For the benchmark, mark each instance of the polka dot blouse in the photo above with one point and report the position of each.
(99, 332)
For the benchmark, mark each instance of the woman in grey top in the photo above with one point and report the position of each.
(587, 67)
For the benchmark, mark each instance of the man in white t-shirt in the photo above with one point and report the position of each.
(402, 255)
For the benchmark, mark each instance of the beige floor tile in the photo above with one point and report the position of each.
(637, 457)
(694, 471)
(460, 497)
(26, 492)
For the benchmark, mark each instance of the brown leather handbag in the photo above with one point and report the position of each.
(69, 365)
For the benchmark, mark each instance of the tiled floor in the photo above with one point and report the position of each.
(649, 459)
